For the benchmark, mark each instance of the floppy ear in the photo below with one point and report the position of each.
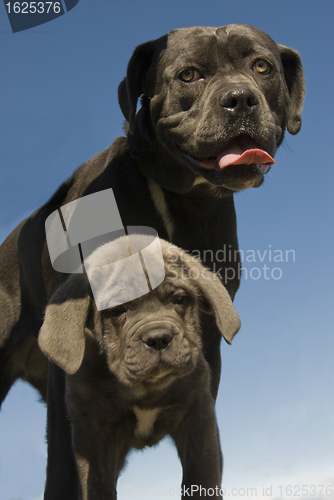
(294, 77)
(133, 86)
(61, 337)
(214, 298)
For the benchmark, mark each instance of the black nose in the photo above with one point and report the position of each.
(157, 340)
(240, 100)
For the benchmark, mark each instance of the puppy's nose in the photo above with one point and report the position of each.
(157, 339)
(240, 100)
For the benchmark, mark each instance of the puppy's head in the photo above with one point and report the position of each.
(149, 341)
(215, 105)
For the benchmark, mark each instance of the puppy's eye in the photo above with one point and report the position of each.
(180, 299)
(262, 67)
(116, 312)
(190, 75)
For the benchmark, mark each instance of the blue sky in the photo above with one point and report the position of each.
(59, 107)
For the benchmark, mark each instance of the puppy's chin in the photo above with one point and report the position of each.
(162, 376)
(158, 378)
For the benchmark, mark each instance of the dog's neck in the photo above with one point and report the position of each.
(216, 242)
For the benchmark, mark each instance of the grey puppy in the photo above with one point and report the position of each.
(136, 372)
(215, 103)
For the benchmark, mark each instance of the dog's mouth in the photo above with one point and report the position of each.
(160, 374)
(164, 373)
(242, 150)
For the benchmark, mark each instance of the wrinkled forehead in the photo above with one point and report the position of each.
(175, 281)
(208, 43)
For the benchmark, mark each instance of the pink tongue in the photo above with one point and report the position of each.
(241, 151)
(249, 157)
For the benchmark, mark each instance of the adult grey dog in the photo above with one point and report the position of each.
(215, 103)
(143, 373)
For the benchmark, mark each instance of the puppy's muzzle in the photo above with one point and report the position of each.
(157, 335)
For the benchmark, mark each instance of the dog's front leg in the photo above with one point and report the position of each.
(197, 441)
(97, 461)
(62, 477)
(99, 446)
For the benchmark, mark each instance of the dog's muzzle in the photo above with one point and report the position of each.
(157, 335)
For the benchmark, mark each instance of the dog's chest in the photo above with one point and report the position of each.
(145, 421)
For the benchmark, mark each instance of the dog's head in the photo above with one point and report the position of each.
(215, 103)
(149, 341)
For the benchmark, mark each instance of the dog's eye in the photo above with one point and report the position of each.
(262, 67)
(190, 75)
(117, 311)
(180, 299)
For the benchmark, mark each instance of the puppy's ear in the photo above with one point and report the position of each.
(133, 86)
(294, 77)
(216, 300)
(61, 337)
(214, 297)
